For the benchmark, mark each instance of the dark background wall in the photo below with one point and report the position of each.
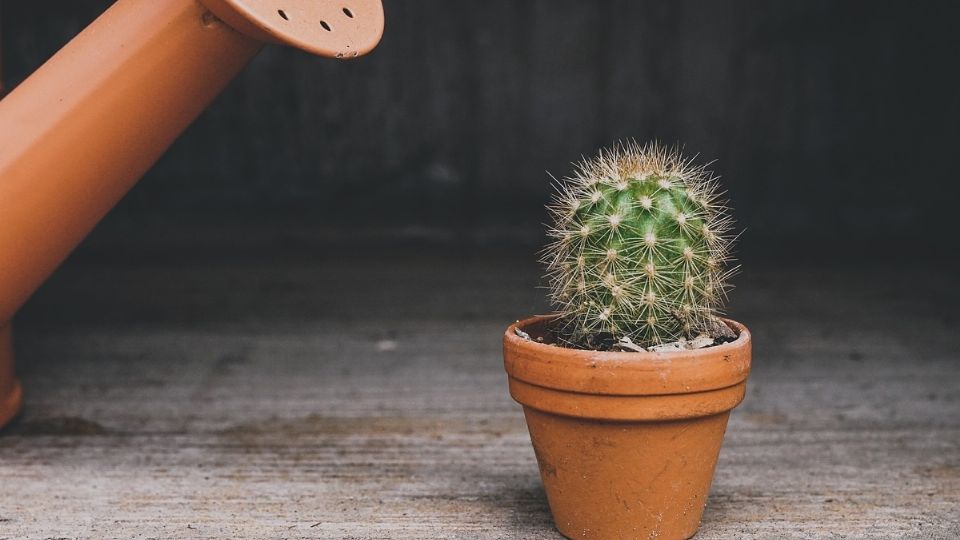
(831, 122)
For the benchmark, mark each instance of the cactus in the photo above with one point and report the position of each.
(639, 247)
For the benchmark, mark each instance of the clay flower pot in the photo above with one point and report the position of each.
(626, 442)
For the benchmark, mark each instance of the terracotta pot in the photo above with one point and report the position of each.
(626, 442)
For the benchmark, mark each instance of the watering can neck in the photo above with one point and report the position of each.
(78, 133)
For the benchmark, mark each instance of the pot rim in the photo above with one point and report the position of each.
(626, 373)
(743, 334)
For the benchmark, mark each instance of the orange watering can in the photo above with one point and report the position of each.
(78, 133)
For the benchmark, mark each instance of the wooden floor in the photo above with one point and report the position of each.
(360, 394)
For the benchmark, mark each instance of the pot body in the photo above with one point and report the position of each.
(627, 443)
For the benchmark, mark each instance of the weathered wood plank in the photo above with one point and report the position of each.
(363, 397)
(464, 104)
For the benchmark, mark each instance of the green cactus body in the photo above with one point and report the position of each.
(639, 246)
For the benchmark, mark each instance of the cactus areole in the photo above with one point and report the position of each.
(639, 248)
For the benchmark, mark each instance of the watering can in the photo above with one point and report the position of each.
(80, 131)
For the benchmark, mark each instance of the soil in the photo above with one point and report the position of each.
(716, 333)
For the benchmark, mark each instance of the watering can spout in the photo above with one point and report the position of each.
(78, 133)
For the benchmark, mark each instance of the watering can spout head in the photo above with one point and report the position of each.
(332, 28)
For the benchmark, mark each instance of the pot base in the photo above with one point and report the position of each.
(11, 394)
(626, 479)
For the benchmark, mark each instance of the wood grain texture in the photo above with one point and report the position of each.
(361, 395)
(464, 106)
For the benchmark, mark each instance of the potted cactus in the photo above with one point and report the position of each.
(628, 387)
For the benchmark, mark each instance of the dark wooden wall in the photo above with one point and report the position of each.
(829, 121)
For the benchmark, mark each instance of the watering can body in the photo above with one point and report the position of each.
(78, 133)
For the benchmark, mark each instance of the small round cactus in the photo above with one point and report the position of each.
(639, 247)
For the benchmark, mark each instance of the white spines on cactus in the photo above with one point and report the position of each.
(640, 243)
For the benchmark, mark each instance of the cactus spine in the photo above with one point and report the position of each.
(639, 247)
